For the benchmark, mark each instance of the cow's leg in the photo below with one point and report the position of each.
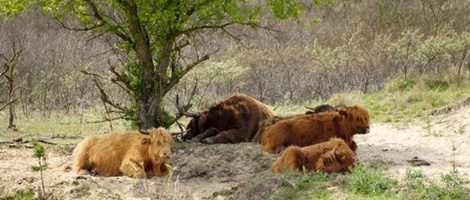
(353, 146)
(208, 133)
(132, 168)
(229, 136)
(272, 148)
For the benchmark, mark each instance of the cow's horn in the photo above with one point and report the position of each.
(182, 111)
(310, 108)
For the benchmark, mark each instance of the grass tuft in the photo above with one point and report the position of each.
(369, 182)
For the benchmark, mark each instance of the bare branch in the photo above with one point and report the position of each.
(183, 110)
(4, 57)
(64, 26)
(188, 68)
(104, 97)
(192, 29)
(107, 120)
(5, 69)
(12, 101)
(117, 80)
(119, 77)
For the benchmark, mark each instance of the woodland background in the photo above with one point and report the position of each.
(358, 45)
(407, 61)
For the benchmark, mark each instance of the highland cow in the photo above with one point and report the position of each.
(235, 119)
(331, 156)
(313, 129)
(132, 154)
(268, 122)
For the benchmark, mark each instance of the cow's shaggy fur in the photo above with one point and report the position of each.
(235, 119)
(313, 129)
(268, 122)
(132, 154)
(331, 156)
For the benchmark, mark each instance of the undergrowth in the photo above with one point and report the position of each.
(27, 194)
(405, 100)
(364, 182)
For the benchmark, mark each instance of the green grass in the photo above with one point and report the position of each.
(369, 182)
(58, 124)
(400, 102)
(364, 182)
(416, 186)
(27, 194)
(405, 101)
(313, 185)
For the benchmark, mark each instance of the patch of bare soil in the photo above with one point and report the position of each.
(211, 171)
(436, 148)
(200, 171)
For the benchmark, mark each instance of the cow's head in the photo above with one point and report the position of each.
(356, 118)
(197, 125)
(159, 144)
(336, 157)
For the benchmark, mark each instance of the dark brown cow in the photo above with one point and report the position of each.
(268, 122)
(322, 108)
(235, 119)
(312, 129)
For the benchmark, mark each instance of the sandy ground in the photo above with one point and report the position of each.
(205, 171)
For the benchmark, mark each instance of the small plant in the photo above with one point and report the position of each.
(428, 129)
(40, 154)
(20, 195)
(304, 183)
(170, 189)
(437, 85)
(370, 182)
(428, 125)
(198, 170)
(454, 186)
(454, 183)
(417, 187)
(461, 129)
(414, 179)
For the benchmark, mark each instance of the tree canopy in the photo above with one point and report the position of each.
(158, 39)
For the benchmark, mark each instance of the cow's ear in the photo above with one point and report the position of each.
(326, 161)
(337, 118)
(145, 141)
(343, 113)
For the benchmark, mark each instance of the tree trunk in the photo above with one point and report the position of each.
(146, 117)
(11, 108)
(11, 90)
(147, 94)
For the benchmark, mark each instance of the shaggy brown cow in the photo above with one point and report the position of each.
(268, 122)
(235, 119)
(312, 129)
(132, 154)
(331, 156)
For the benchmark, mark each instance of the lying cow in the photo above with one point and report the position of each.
(268, 122)
(331, 156)
(235, 119)
(313, 129)
(132, 154)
